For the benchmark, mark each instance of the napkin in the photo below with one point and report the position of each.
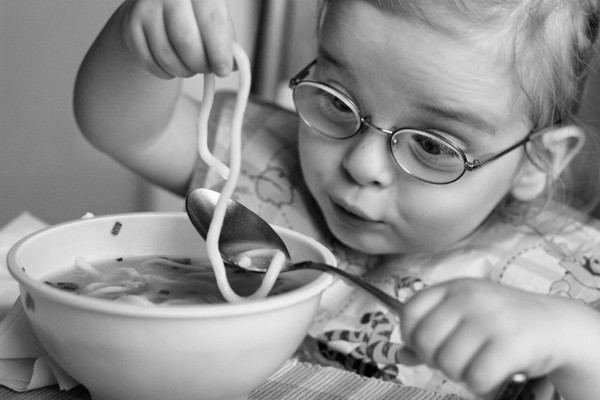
(24, 364)
(19, 227)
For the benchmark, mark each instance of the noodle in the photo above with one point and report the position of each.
(231, 175)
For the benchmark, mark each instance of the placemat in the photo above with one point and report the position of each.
(294, 381)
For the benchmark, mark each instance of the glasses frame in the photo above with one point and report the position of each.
(364, 121)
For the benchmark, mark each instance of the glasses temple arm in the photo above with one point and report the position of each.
(475, 164)
(296, 79)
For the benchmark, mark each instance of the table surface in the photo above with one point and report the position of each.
(47, 393)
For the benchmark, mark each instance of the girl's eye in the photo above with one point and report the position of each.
(429, 152)
(434, 147)
(338, 104)
(334, 106)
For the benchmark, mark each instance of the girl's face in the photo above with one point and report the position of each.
(404, 74)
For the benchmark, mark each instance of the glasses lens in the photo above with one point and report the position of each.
(325, 109)
(426, 156)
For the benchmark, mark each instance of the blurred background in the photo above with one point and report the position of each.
(47, 167)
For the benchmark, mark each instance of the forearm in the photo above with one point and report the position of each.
(133, 115)
(115, 97)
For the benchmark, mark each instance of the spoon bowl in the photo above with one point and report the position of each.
(243, 231)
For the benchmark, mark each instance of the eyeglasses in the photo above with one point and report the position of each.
(423, 154)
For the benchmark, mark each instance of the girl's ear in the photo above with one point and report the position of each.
(549, 153)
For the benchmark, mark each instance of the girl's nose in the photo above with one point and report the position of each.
(368, 160)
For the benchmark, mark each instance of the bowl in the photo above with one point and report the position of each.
(126, 351)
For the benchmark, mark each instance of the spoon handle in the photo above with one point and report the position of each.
(392, 303)
(512, 388)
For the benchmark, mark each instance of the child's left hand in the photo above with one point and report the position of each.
(481, 333)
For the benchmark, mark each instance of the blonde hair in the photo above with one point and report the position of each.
(550, 47)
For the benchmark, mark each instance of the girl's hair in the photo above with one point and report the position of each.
(550, 45)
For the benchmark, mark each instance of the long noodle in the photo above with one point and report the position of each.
(231, 175)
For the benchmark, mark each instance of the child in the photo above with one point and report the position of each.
(432, 139)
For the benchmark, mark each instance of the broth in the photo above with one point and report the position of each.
(155, 280)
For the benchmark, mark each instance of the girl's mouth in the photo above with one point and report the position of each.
(352, 216)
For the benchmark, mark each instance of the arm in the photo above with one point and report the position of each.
(128, 100)
(481, 333)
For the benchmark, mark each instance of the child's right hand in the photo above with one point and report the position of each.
(480, 333)
(179, 38)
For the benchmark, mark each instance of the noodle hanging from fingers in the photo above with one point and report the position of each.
(231, 175)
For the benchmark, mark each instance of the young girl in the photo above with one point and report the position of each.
(429, 154)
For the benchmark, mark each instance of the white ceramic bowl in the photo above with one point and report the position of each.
(123, 351)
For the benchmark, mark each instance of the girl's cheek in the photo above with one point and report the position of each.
(315, 151)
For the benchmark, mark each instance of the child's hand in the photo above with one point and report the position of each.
(481, 333)
(179, 38)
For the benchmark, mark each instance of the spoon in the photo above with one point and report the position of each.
(247, 241)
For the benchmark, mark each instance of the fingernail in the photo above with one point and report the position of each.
(222, 69)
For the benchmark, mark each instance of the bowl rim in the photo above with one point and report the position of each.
(246, 307)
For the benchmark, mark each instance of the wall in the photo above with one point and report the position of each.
(45, 165)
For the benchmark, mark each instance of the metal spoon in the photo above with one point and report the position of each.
(245, 235)
(244, 232)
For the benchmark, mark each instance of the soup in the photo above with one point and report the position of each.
(154, 280)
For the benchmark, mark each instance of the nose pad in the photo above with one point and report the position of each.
(368, 160)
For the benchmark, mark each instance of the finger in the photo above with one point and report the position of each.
(416, 310)
(493, 364)
(455, 354)
(430, 334)
(216, 29)
(135, 40)
(184, 36)
(161, 49)
(408, 357)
